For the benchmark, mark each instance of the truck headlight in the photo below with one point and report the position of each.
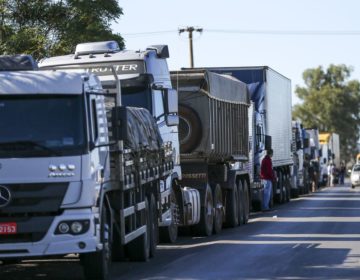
(63, 228)
(76, 227)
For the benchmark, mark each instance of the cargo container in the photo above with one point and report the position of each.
(270, 93)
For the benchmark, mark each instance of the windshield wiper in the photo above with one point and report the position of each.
(28, 143)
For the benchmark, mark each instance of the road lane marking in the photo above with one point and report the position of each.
(307, 219)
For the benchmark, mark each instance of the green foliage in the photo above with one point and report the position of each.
(331, 103)
(54, 27)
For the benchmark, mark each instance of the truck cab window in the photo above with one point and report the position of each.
(45, 124)
(136, 96)
(158, 104)
(95, 128)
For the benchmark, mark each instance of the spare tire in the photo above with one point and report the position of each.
(190, 130)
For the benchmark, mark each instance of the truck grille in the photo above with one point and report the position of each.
(33, 208)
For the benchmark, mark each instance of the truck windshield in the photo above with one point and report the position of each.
(136, 97)
(42, 125)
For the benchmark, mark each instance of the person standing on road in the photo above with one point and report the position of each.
(329, 170)
(332, 174)
(342, 171)
(267, 176)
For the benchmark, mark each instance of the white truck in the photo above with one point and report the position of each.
(81, 174)
(330, 148)
(145, 82)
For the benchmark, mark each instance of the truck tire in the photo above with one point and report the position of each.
(117, 249)
(205, 226)
(154, 225)
(139, 248)
(240, 188)
(246, 202)
(232, 202)
(190, 130)
(169, 234)
(218, 208)
(96, 265)
(287, 187)
(279, 188)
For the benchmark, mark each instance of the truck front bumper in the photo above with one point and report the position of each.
(58, 244)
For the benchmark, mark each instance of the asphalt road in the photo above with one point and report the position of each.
(314, 237)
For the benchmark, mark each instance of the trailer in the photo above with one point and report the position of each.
(214, 147)
(271, 127)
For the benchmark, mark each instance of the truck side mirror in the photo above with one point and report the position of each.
(172, 120)
(171, 107)
(268, 142)
(171, 101)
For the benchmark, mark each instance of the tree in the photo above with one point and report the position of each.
(331, 103)
(54, 27)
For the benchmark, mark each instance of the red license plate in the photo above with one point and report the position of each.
(8, 228)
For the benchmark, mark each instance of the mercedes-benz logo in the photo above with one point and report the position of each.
(5, 196)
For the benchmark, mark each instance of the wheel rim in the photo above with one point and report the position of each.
(218, 208)
(209, 211)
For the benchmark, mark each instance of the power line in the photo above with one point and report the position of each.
(286, 32)
(149, 33)
(259, 32)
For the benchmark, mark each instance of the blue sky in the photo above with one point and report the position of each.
(288, 54)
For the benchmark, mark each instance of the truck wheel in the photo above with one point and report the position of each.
(287, 187)
(96, 265)
(190, 130)
(218, 208)
(352, 186)
(246, 202)
(154, 226)
(279, 188)
(117, 249)
(240, 188)
(205, 226)
(169, 234)
(232, 202)
(139, 248)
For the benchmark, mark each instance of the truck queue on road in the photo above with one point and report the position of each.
(116, 152)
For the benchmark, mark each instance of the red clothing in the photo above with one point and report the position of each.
(266, 172)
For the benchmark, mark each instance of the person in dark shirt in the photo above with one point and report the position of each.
(342, 172)
(267, 176)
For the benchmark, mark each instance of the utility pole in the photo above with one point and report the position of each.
(190, 30)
